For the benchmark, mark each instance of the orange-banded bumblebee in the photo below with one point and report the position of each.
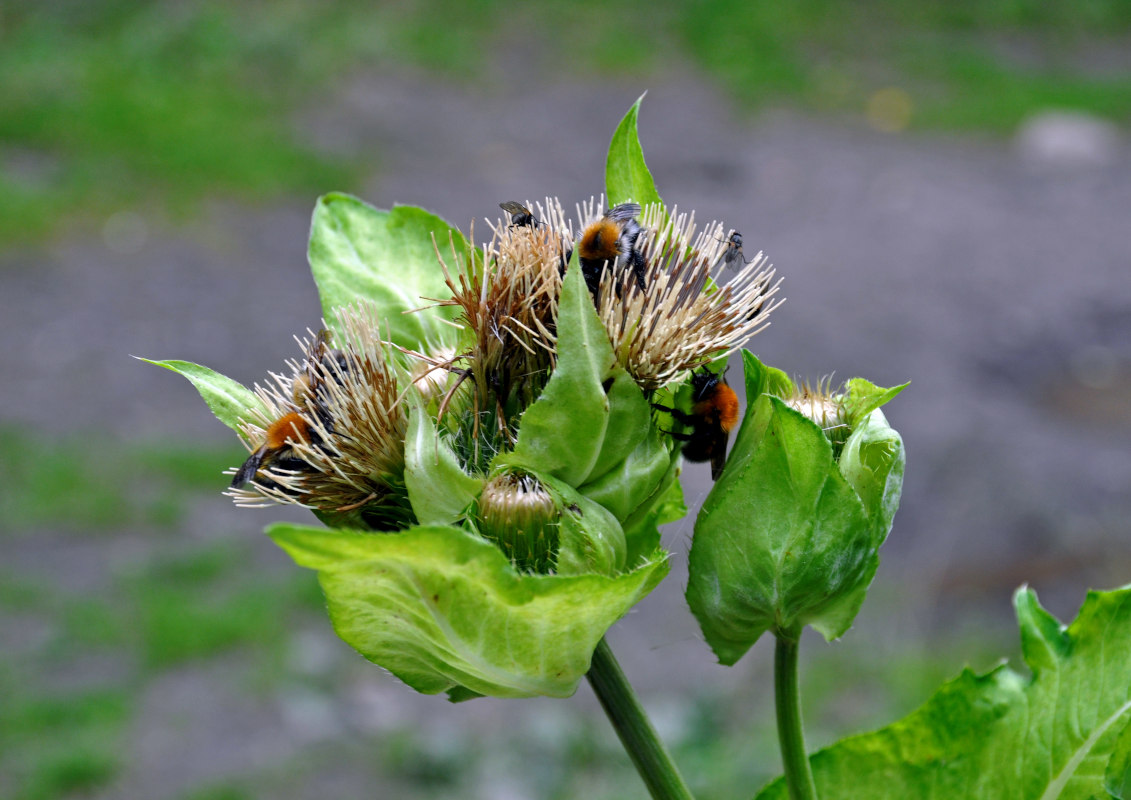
(276, 450)
(611, 241)
(308, 395)
(521, 216)
(714, 412)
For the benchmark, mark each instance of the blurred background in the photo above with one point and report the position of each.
(944, 186)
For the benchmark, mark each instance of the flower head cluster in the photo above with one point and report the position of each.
(667, 315)
(489, 412)
(330, 435)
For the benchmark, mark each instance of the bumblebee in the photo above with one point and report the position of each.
(521, 216)
(276, 450)
(308, 396)
(611, 241)
(732, 256)
(714, 412)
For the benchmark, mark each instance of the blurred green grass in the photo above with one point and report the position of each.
(88, 483)
(115, 104)
(78, 661)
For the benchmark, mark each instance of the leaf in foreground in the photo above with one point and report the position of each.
(1059, 734)
(445, 611)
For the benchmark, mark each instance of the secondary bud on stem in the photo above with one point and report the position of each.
(520, 516)
(790, 535)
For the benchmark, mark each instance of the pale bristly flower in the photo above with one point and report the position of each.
(347, 394)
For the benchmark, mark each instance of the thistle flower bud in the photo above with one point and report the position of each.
(520, 516)
(431, 372)
(823, 406)
(808, 497)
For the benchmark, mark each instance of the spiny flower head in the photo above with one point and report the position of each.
(673, 315)
(508, 300)
(330, 434)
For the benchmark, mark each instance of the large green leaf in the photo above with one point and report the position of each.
(1063, 733)
(231, 402)
(387, 259)
(781, 537)
(444, 610)
(626, 175)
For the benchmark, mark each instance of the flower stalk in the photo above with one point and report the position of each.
(787, 701)
(636, 733)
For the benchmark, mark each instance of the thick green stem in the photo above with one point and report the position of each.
(787, 699)
(632, 726)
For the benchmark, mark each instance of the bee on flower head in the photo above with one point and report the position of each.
(330, 433)
(521, 216)
(296, 427)
(610, 242)
(714, 412)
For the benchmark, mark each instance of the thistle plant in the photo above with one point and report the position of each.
(487, 435)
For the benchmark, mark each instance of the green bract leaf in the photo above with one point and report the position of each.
(872, 461)
(385, 258)
(633, 479)
(665, 504)
(630, 422)
(590, 538)
(626, 175)
(563, 432)
(441, 609)
(784, 539)
(762, 379)
(231, 402)
(1061, 734)
(864, 396)
(438, 488)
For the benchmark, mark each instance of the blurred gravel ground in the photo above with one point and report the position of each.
(993, 276)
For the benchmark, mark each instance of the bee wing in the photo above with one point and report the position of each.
(511, 207)
(624, 212)
(248, 469)
(316, 351)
